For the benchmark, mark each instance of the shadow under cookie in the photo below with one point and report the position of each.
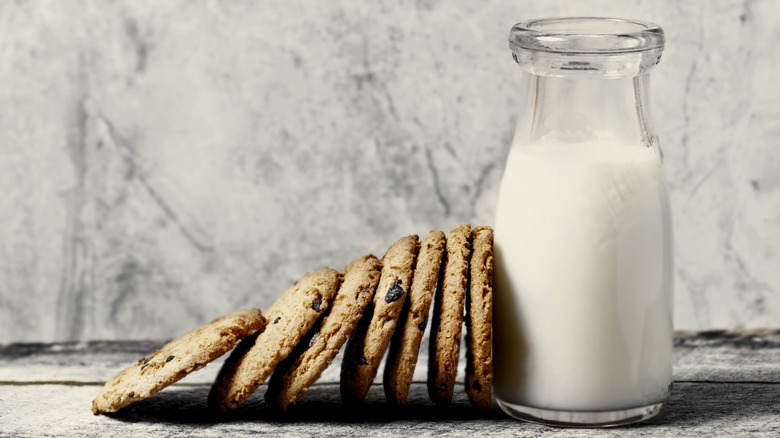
(322, 404)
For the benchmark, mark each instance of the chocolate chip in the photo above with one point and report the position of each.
(422, 325)
(169, 358)
(314, 339)
(477, 386)
(395, 292)
(363, 361)
(147, 359)
(365, 290)
(316, 304)
(144, 366)
(277, 319)
(131, 394)
(443, 386)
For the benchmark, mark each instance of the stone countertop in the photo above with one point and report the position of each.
(726, 384)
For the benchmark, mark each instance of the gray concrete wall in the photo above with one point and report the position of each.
(162, 163)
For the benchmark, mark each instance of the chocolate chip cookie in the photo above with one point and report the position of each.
(370, 339)
(188, 353)
(479, 319)
(447, 319)
(316, 351)
(289, 319)
(405, 346)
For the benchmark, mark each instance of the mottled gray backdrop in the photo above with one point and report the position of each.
(162, 163)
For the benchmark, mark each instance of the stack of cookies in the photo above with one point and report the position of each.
(372, 305)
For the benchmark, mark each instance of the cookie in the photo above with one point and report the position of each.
(316, 351)
(371, 338)
(405, 346)
(188, 353)
(479, 319)
(289, 318)
(447, 319)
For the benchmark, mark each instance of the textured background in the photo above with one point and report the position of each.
(162, 163)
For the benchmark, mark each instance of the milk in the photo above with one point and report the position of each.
(582, 316)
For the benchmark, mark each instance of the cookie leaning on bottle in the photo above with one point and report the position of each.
(479, 319)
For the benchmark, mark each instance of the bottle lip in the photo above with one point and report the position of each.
(585, 36)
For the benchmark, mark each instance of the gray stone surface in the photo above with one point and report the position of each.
(164, 163)
(695, 410)
(726, 384)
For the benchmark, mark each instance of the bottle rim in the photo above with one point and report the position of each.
(585, 36)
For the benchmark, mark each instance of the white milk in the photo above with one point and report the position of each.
(582, 278)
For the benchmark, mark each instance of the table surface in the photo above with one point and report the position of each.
(726, 384)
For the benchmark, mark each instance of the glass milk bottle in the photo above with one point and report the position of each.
(583, 304)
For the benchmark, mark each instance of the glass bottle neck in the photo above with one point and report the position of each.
(578, 110)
